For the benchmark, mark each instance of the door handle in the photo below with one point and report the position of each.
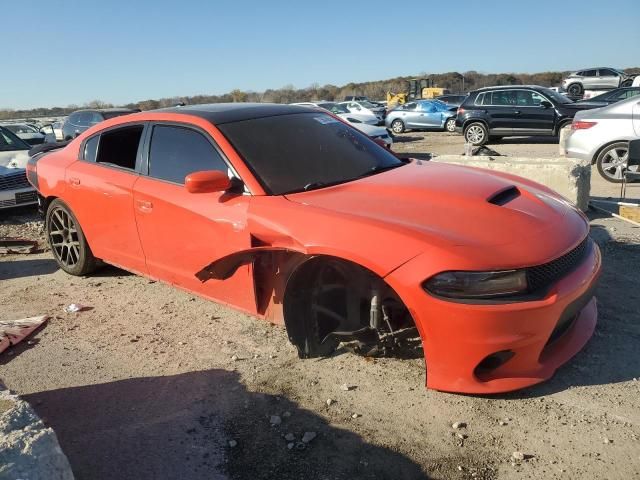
(74, 182)
(144, 206)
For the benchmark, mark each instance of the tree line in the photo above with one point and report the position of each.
(375, 90)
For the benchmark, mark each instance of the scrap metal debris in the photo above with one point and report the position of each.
(14, 331)
(75, 308)
(17, 245)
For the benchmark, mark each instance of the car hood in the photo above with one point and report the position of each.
(370, 130)
(591, 104)
(577, 106)
(12, 160)
(451, 206)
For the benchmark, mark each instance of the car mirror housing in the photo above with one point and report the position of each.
(207, 181)
(545, 104)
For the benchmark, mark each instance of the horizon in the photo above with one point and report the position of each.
(213, 50)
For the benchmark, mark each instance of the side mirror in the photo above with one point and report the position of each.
(207, 181)
(545, 104)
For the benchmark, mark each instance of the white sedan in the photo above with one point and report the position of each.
(15, 190)
(601, 136)
(338, 109)
(365, 111)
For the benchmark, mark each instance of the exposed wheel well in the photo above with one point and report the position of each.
(474, 120)
(347, 289)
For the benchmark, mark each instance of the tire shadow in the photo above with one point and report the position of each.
(180, 426)
(27, 268)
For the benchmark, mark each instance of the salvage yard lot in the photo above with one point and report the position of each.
(152, 382)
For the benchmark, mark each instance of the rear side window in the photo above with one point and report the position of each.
(590, 73)
(91, 149)
(480, 99)
(177, 151)
(119, 147)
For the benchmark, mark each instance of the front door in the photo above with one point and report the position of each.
(183, 232)
(533, 118)
(100, 194)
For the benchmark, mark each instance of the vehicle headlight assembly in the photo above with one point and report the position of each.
(477, 285)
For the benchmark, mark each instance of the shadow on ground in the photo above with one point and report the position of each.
(27, 268)
(179, 427)
(612, 355)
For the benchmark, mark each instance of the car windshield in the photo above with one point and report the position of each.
(558, 97)
(21, 129)
(334, 107)
(9, 142)
(366, 104)
(305, 151)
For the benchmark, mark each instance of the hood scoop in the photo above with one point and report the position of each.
(504, 196)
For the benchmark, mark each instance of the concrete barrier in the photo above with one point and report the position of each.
(567, 176)
(28, 449)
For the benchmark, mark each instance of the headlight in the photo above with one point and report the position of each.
(477, 285)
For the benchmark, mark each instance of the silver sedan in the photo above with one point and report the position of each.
(601, 136)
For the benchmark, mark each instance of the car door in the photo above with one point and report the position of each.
(100, 194)
(409, 113)
(537, 115)
(499, 106)
(430, 117)
(590, 79)
(182, 232)
(608, 78)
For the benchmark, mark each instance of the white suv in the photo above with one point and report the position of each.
(15, 190)
(595, 78)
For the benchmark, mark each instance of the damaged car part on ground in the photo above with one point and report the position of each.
(291, 215)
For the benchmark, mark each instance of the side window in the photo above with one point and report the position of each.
(605, 72)
(590, 73)
(481, 99)
(94, 117)
(74, 118)
(411, 106)
(176, 152)
(537, 99)
(119, 147)
(504, 98)
(91, 149)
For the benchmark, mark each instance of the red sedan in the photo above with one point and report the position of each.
(293, 216)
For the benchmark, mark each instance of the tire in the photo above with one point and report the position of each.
(67, 241)
(397, 126)
(612, 162)
(575, 89)
(450, 125)
(476, 134)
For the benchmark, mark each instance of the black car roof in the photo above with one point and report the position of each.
(510, 87)
(218, 113)
(107, 110)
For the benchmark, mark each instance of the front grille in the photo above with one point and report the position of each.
(14, 181)
(26, 197)
(543, 276)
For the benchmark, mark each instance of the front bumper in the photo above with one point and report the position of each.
(18, 197)
(459, 337)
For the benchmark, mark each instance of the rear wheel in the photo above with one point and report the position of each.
(450, 125)
(612, 162)
(575, 89)
(476, 134)
(397, 126)
(68, 243)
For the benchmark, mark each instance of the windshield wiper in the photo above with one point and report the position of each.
(313, 185)
(378, 169)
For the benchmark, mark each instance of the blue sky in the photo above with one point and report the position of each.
(59, 52)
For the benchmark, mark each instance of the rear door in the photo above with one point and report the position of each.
(499, 106)
(430, 116)
(608, 78)
(183, 232)
(100, 194)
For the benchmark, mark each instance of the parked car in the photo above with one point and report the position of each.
(356, 98)
(15, 190)
(295, 217)
(420, 115)
(363, 110)
(601, 136)
(612, 96)
(53, 131)
(80, 120)
(515, 110)
(595, 78)
(28, 133)
(452, 100)
(377, 133)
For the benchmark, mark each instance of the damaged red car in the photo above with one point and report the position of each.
(291, 215)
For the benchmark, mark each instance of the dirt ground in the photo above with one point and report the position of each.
(152, 382)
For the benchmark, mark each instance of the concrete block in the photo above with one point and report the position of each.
(28, 449)
(569, 177)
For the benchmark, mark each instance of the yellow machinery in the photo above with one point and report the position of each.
(419, 88)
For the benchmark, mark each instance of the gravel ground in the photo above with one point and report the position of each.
(152, 382)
